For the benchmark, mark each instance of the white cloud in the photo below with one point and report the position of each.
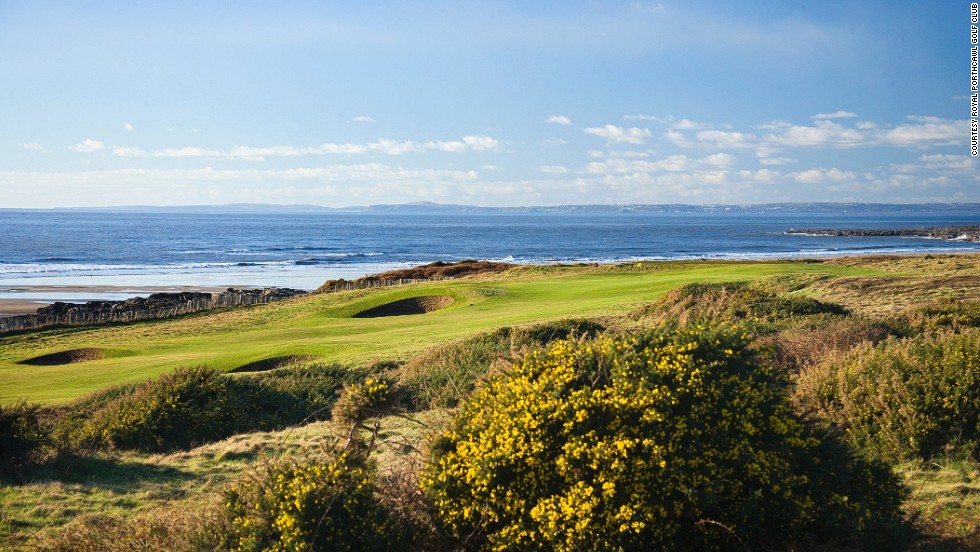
(678, 138)
(816, 176)
(616, 134)
(128, 127)
(187, 152)
(961, 165)
(641, 117)
(726, 139)
(719, 160)
(34, 146)
(553, 142)
(811, 176)
(342, 149)
(553, 169)
(260, 153)
(481, 143)
(770, 161)
(687, 124)
(393, 147)
(824, 133)
(128, 152)
(927, 131)
(834, 115)
(765, 175)
(559, 120)
(88, 146)
(362, 119)
(468, 143)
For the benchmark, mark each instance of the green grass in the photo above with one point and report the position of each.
(323, 326)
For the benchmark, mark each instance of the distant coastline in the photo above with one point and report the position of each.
(429, 208)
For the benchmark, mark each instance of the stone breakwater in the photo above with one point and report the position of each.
(156, 306)
(954, 233)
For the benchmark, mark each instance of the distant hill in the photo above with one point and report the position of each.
(426, 207)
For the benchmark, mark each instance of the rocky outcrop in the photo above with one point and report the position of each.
(953, 233)
(158, 305)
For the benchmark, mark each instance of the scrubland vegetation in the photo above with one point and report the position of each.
(653, 406)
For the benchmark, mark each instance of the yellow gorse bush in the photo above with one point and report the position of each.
(293, 507)
(671, 438)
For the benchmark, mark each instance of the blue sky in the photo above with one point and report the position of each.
(483, 102)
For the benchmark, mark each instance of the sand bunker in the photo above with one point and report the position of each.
(413, 305)
(66, 357)
(272, 363)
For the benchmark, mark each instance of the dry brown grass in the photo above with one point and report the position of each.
(912, 280)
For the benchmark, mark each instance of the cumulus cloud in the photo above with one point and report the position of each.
(616, 134)
(927, 130)
(393, 147)
(88, 146)
(128, 152)
(553, 169)
(559, 120)
(824, 133)
(919, 132)
(834, 115)
(259, 153)
(342, 149)
(720, 160)
(187, 152)
(34, 146)
(687, 124)
(642, 117)
(671, 163)
(726, 139)
(468, 143)
(128, 127)
(362, 119)
(816, 176)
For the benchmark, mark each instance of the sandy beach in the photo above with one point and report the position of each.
(16, 300)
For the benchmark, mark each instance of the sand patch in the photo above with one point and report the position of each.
(272, 363)
(412, 305)
(66, 357)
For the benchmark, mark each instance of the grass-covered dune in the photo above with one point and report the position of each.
(783, 405)
(326, 326)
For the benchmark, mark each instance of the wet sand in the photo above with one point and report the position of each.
(16, 300)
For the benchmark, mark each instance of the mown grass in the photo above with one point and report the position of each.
(323, 326)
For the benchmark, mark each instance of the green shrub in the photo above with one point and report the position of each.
(184, 408)
(310, 506)
(941, 316)
(21, 439)
(192, 406)
(904, 399)
(667, 439)
(731, 302)
(290, 395)
(441, 377)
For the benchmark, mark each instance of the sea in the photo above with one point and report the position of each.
(303, 249)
